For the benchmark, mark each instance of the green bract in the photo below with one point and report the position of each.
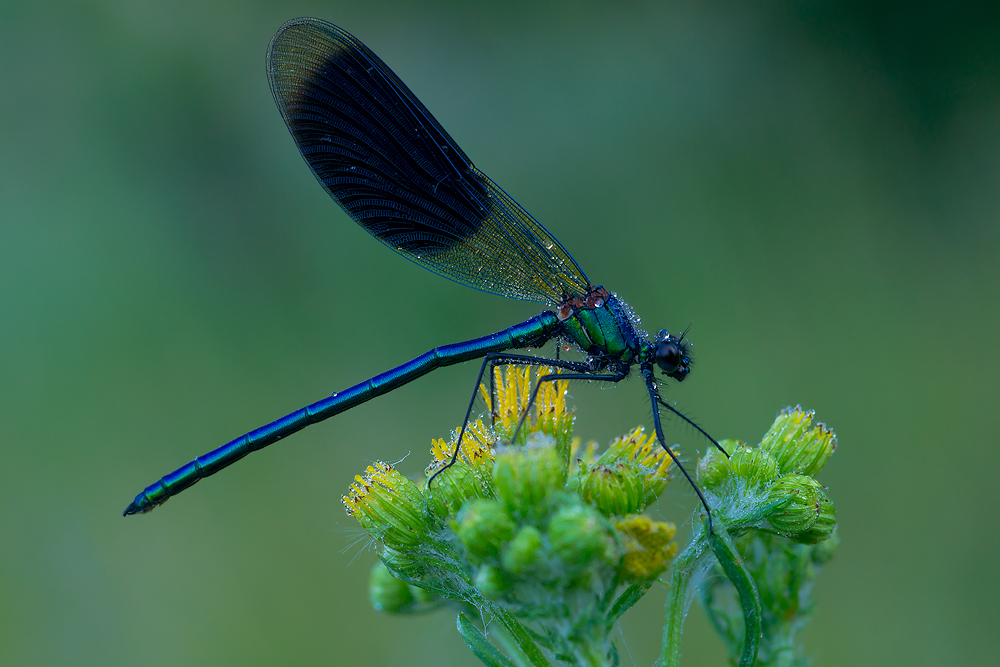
(798, 497)
(613, 489)
(389, 506)
(452, 487)
(797, 447)
(823, 527)
(754, 466)
(714, 468)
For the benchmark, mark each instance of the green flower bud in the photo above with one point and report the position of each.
(795, 446)
(386, 592)
(714, 468)
(389, 506)
(452, 487)
(826, 522)
(491, 582)
(525, 476)
(801, 511)
(645, 455)
(579, 534)
(522, 552)
(482, 526)
(615, 489)
(754, 466)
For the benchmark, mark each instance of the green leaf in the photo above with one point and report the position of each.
(516, 631)
(484, 650)
(629, 597)
(732, 565)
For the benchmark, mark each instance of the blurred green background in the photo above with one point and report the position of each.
(815, 186)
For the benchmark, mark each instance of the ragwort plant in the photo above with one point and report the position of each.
(545, 543)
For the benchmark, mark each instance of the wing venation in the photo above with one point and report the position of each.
(392, 167)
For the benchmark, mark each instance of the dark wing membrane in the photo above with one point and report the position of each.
(392, 167)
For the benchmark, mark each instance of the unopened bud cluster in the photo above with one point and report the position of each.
(553, 539)
(774, 528)
(774, 482)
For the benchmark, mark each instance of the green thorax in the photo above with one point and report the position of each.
(603, 331)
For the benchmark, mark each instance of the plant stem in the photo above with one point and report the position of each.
(683, 570)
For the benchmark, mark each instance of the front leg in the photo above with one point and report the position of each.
(654, 397)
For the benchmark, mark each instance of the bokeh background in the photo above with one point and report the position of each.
(814, 186)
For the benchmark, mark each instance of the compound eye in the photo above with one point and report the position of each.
(668, 356)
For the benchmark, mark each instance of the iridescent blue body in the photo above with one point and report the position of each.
(389, 164)
(533, 332)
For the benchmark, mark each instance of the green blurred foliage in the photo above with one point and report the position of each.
(814, 185)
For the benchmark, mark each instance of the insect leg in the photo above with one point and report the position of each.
(607, 377)
(659, 399)
(490, 361)
(655, 399)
